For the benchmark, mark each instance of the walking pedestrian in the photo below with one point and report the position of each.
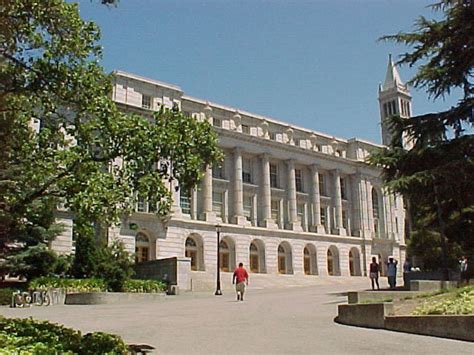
(374, 273)
(392, 272)
(240, 279)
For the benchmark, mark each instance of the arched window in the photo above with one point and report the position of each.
(285, 261)
(192, 252)
(376, 211)
(224, 256)
(351, 263)
(354, 262)
(142, 248)
(330, 260)
(254, 258)
(309, 260)
(281, 260)
(333, 261)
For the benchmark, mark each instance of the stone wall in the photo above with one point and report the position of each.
(174, 271)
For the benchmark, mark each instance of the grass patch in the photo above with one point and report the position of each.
(454, 301)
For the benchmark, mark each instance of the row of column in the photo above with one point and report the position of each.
(266, 196)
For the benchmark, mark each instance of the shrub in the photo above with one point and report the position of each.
(6, 296)
(102, 343)
(147, 286)
(70, 285)
(115, 266)
(22, 336)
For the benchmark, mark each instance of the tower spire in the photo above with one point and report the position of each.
(394, 99)
(392, 78)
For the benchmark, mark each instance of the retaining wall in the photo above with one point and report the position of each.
(87, 298)
(354, 297)
(459, 327)
(364, 315)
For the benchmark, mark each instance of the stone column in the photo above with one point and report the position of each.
(238, 205)
(339, 229)
(293, 223)
(207, 213)
(266, 194)
(316, 201)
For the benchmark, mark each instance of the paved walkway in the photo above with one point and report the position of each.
(283, 321)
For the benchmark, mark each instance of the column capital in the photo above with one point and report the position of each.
(265, 156)
(315, 168)
(238, 149)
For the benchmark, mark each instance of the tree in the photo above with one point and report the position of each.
(436, 174)
(64, 142)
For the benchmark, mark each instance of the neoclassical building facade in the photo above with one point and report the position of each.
(286, 200)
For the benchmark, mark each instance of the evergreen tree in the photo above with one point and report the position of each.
(436, 175)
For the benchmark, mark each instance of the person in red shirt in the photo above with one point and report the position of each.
(242, 278)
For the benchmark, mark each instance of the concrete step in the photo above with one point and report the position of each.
(202, 281)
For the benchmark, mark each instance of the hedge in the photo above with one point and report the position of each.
(96, 285)
(28, 336)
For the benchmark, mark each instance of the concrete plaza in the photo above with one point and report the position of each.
(277, 321)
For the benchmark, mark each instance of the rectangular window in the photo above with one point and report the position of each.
(300, 212)
(322, 211)
(322, 185)
(273, 176)
(151, 207)
(247, 171)
(248, 207)
(216, 122)
(185, 201)
(275, 209)
(396, 225)
(245, 129)
(299, 180)
(273, 136)
(343, 189)
(394, 108)
(141, 204)
(146, 101)
(344, 219)
(385, 110)
(218, 203)
(218, 170)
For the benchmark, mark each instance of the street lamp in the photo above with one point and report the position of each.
(218, 288)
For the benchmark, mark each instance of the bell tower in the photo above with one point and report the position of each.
(394, 99)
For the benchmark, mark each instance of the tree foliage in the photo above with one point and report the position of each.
(436, 175)
(64, 142)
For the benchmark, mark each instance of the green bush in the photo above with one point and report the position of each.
(6, 296)
(95, 285)
(102, 343)
(22, 336)
(70, 285)
(115, 266)
(147, 286)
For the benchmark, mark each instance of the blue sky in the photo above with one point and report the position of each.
(315, 64)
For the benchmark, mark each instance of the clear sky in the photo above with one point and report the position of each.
(315, 64)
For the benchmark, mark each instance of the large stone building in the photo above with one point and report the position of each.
(287, 200)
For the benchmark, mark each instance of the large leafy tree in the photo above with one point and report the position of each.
(64, 142)
(436, 175)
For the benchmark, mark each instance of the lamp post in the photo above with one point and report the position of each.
(218, 288)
